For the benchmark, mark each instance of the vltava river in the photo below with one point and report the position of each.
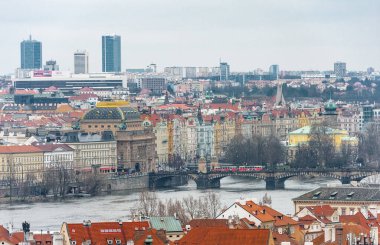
(50, 215)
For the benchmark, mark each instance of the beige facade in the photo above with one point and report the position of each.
(161, 132)
(136, 149)
(343, 207)
(88, 154)
(21, 163)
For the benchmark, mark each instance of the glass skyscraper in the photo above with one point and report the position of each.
(111, 53)
(31, 54)
(224, 71)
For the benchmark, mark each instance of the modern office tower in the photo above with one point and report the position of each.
(80, 62)
(111, 53)
(370, 70)
(31, 54)
(51, 65)
(203, 71)
(176, 71)
(224, 71)
(155, 84)
(152, 68)
(340, 69)
(274, 71)
(190, 72)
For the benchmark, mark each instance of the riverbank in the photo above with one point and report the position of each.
(118, 205)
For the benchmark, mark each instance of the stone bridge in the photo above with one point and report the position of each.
(274, 179)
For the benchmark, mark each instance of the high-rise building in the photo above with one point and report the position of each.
(111, 53)
(80, 62)
(51, 65)
(191, 72)
(340, 69)
(274, 71)
(176, 71)
(224, 71)
(31, 54)
(370, 70)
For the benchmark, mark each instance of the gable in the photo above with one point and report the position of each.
(237, 210)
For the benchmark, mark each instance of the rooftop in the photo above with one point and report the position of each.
(168, 223)
(342, 194)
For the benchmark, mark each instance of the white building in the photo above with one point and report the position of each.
(80, 62)
(57, 155)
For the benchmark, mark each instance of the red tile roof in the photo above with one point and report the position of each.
(225, 236)
(19, 149)
(82, 97)
(100, 232)
(208, 223)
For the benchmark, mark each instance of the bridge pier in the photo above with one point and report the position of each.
(166, 181)
(203, 182)
(345, 180)
(273, 184)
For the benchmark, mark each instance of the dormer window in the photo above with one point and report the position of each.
(333, 195)
(349, 195)
(118, 242)
(109, 242)
(316, 195)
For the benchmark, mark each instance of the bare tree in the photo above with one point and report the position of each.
(191, 206)
(322, 141)
(148, 203)
(56, 179)
(188, 208)
(212, 200)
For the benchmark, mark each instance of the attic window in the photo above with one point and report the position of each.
(118, 242)
(333, 195)
(73, 242)
(109, 242)
(316, 195)
(349, 195)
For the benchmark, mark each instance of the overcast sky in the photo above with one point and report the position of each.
(248, 34)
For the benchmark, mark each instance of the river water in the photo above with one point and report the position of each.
(51, 215)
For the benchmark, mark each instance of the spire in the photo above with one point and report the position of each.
(166, 98)
(280, 100)
(199, 115)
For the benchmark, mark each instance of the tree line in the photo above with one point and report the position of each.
(148, 205)
(257, 150)
(320, 151)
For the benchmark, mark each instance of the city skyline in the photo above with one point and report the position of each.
(295, 34)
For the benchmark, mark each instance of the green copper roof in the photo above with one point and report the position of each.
(167, 223)
(307, 130)
(330, 106)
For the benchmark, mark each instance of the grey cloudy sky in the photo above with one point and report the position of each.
(297, 34)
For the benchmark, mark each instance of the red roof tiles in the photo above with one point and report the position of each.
(225, 236)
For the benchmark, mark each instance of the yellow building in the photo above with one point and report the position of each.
(113, 104)
(21, 162)
(301, 136)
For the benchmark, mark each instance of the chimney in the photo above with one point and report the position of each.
(364, 211)
(230, 222)
(374, 235)
(329, 233)
(148, 240)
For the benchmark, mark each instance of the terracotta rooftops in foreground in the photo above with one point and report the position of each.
(225, 236)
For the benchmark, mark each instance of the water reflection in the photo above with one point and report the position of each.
(50, 215)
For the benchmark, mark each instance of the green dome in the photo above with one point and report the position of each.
(330, 106)
(112, 113)
(103, 114)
